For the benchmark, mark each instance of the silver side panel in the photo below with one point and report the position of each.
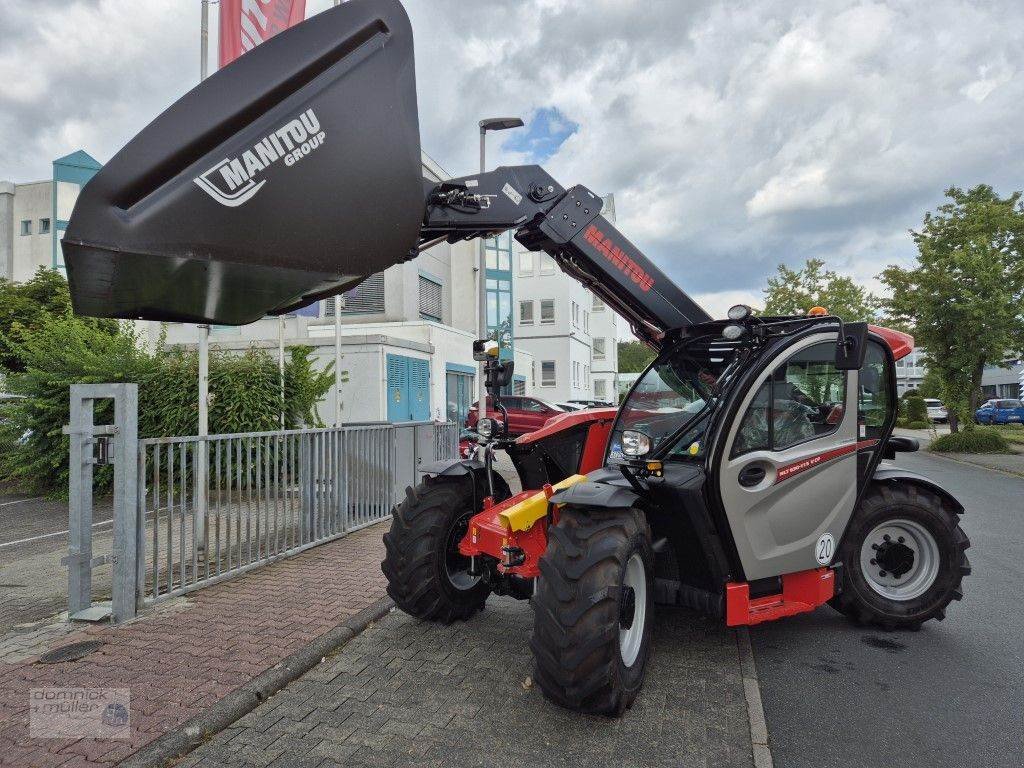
(778, 523)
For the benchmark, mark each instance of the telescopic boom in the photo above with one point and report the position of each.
(568, 225)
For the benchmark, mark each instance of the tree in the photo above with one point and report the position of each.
(794, 291)
(931, 385)
(965, 296)
(634, 356)
(25, 306)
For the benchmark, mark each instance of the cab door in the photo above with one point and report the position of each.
(787, 474)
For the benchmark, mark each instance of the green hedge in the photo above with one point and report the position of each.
(245, 394)
(979, 440)
(916, 409)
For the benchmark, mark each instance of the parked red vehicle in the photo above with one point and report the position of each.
(525, 414)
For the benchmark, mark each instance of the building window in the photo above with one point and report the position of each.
(586, 321)
(499, 252)
(586, 375)
(44, 226)
(431, 299)
(598, 305)
(26, 226)
(367, 297)
(547, 311)
(599, 348)
(547, 373)
(576, 314)
(575, 373)
(526, 312)
(547, 265)
(599, 390)
(526, 264)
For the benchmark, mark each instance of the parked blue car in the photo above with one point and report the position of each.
(1000, 412)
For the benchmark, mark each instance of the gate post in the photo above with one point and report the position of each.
(80, 463)
(126, 485)
(123, 453)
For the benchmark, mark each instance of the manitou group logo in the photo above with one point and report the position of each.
(234, 181)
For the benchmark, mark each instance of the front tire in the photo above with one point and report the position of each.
(903, 558)
(593, 610)
(427, 577)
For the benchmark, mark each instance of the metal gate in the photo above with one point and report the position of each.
(268, 495)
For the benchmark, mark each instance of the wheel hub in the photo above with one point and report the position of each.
(627, 607)
(456, 565)
(900, 559)
(632, 609)
(894, 556)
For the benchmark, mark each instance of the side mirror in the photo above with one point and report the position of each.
(498, 375)
(903, 444)
(851, 349)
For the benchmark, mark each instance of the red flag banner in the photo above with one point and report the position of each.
(244, 24)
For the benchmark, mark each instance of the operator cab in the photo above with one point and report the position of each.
(764, 427)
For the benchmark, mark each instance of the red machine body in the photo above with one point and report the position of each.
(518, 552)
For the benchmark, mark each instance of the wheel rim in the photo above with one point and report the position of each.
(633, 609)
(456, 565)
(900, 559)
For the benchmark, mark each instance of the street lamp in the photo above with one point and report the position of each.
(488, 124)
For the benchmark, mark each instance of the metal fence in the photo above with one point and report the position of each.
(216, 506)
(191, 511)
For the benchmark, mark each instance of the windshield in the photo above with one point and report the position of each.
(673, 399)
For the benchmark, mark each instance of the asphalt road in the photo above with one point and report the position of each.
(951, 694)
(33, 539)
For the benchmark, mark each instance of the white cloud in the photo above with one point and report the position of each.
(735, 135)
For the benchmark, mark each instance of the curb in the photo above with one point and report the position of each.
(755, 708)
(949, 457)
(185, 737)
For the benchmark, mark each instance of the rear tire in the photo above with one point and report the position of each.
(426, 578)
(903, 558)
(593, 610)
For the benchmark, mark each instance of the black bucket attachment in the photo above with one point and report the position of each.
(288, 176)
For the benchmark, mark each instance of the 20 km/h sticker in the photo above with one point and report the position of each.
(824, 549)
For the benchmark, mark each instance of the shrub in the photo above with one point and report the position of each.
(916, 409)
(918, 424)
(63, 350)
(980, 440)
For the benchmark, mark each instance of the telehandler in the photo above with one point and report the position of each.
(742, 476)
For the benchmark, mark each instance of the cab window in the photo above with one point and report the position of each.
(873, 394)
(803, 399)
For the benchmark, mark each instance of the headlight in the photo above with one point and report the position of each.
(733, 332)
(485, 428)
(635, 443)
(739, 312)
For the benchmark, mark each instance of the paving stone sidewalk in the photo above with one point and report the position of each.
(410, 693)
(179, 659)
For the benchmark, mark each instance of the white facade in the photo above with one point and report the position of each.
(572, 335)
(604, 330)
(1006, 380)
(551, 320)
(26, 227)
(34, 215)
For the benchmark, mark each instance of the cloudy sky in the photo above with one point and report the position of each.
(735, 136)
